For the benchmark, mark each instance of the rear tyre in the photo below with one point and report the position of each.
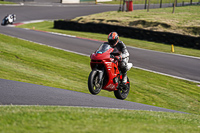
(93, 85)
(122, 91)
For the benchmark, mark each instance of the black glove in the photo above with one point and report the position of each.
(119, 58)
(112, 56)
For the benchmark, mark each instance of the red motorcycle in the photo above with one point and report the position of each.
(105, 73)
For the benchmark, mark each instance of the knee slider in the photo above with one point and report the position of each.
(123, 67)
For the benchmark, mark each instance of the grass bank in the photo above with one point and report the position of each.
(48, 26)
(185, 20)
(152, 1)
(73, 119)
(38, 64)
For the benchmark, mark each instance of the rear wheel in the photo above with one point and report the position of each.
(123, 91)
(93, 85)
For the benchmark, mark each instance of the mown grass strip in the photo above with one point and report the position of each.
(27, 62)
(93, 120)
(38, 64)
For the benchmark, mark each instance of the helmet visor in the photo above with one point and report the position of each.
(111, 42)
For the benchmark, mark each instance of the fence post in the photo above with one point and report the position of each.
(182, 3)
(148, 5)
(174, 6)
(120, 5)
(145, 4)
(123, 5)
(160, 3)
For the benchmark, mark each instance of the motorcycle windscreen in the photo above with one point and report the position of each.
(103, 48)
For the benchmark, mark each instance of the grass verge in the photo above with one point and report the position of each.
(6, 2)
(73, 119)
(38, 64)
(48, 26)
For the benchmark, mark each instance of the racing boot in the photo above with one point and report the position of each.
(124, 78)
(124, 85)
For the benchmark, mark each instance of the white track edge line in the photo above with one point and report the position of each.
(188, 56)
(166, 74)
(170, 111)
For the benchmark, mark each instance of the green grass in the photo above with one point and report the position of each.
(28, 62)
(48, 26)
(38, 64)
(6, 2)
(80, 120)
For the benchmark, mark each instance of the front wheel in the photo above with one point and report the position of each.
(123, 91)
(3, 22)
(93, 85)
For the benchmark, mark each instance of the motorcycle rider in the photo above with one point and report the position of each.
(9, 19)
(12, 18)
(121, 50)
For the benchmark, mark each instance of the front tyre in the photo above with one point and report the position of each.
(3, 22)
(122, 91)
(93, 85)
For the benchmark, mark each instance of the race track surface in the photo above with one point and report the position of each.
(18, 93)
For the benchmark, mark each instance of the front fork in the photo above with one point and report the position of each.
(100, 75)
(100, 71)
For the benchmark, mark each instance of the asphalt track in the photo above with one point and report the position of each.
(185, 67)
(17, 93)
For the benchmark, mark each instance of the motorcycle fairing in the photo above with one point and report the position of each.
(112, 73)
